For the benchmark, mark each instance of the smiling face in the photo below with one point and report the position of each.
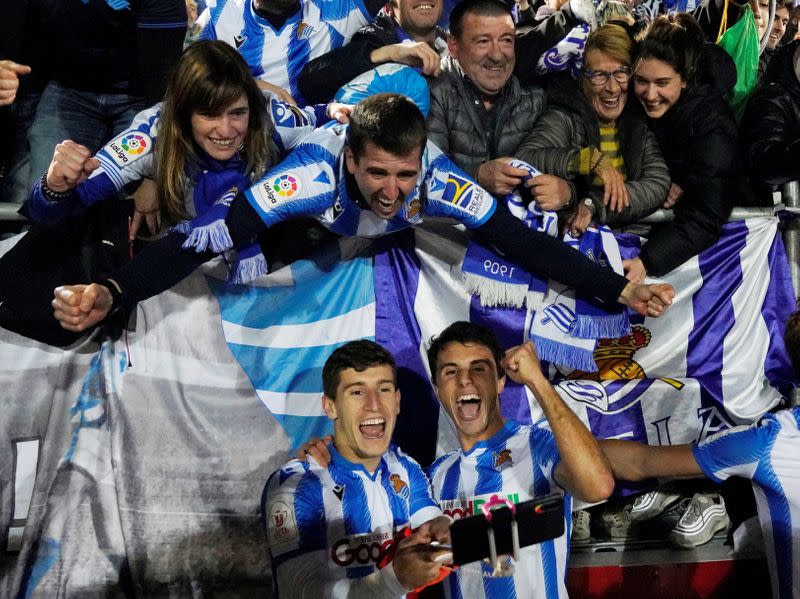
(364, 412)
(485, 51)
(467, 386)
(417, 17)
(778, 27)
(657, 85)
(221, 135)
(607, 100)
(384, 179)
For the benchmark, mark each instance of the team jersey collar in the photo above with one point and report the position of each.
(264, 21)
(341, 463)
(499, 438)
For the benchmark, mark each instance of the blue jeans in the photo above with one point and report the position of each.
(63, 113)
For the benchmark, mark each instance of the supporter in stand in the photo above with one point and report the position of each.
(105, 62)
(367, 179)
(591, 136)
(278, 37)
(480, 114)
(675, 79)
(213, 134)
(404, 32)
(771, 125)
(782, 10)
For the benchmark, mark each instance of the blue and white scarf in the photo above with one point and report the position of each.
(564, 328)
(216, 184)
(566, 55)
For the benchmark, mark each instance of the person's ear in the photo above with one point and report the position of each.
(349, 160)
(329, 406)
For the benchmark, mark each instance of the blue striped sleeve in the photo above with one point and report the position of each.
(737, 451)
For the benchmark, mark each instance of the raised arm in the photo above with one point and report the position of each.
(583, 470)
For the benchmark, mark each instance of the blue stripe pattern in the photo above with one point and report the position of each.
(316, 295)
(713, 316)
(537, 442)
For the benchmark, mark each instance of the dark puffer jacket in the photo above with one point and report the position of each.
(771, 126)
(569, 124)
(698, 136)
(460, 126)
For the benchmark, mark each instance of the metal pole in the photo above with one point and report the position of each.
(790, 195)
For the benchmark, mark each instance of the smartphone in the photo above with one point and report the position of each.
(538, 520)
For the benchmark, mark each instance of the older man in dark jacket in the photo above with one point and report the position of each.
(480, 113)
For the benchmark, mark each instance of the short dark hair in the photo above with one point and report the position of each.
(482, 8)
(791, 336)
(676, 40)
(390, 121)
(358, 355)
(465, 333)
(787, 4)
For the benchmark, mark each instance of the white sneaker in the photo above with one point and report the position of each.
(705, 515)
(617, 522)
(580, 525)
(651, 504)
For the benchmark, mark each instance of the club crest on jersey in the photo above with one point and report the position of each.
(458, 190)
(129, 147)
(304, 31)
(282, 527)
(286, 115)
(413, 208)
(502, 460)
(399, 486)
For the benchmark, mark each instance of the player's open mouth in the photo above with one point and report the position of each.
(373, 428)
(468, 407)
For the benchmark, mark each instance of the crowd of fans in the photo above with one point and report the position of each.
(624, 108)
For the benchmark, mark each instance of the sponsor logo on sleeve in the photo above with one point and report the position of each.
(129, 147)
(282, 526)
(458, 190)
(278, 189)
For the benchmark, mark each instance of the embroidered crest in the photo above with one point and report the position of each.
(502, 460)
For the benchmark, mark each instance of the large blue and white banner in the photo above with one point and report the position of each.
(136, 466)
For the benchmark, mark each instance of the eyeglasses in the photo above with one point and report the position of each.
(599, 78)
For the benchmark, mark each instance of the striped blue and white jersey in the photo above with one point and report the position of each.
(518, 464)
(768, 453)
(311, 182)
(278, 56)
(328, 527)
(129, 156)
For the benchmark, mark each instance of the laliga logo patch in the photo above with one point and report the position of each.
(282, 527)
(129, 147)
(502, 460)
(399, 486)
(285, 186)
(279, 189)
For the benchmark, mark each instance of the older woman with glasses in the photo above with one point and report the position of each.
(587, 136)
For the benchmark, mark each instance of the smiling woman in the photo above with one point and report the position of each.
(594, 139)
